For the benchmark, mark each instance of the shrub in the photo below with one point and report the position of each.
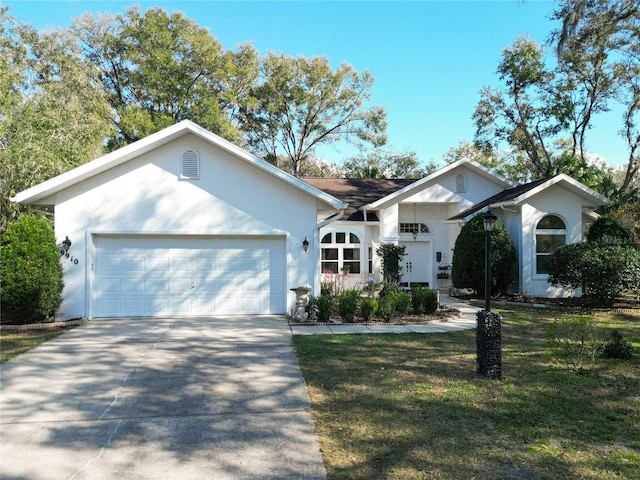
(577, 340)
(604, 271)
(326, 305)
(469, 257)
(617, 347)
(348, 304)
(402, 301)
(31, 289)
(424, 300)
(391, 255)
(608, 231)
(387, 306)
(368, 308)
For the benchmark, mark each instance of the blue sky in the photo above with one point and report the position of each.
(430, 59)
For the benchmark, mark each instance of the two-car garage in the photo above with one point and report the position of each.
(147, 275)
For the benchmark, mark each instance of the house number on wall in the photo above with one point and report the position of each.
(66, 255)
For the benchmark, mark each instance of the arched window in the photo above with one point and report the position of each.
(551, 234)
(341, 251)
(461, 184)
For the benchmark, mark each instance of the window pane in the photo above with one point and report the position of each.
(329, 254)
(329, 267)
(542, 264)
(340, 237)
(354, 266)
(353, 238)
(351, 254)
(549, 243)
(326, 238)
(551, 222)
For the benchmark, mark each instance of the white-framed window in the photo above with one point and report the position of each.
(551, 234)
(340, 251)
(409, 227)
(461, 184)
(190, 165)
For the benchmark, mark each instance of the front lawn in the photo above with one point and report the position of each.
(15, 342)
(410, 406)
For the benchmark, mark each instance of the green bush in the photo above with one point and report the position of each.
(468, 264)
(31, 289)
(391, 255)
(603, 271)
(368, 308)
(577, 340)
(326, 305)
(617, 347)
(348, 304)
(387, 306)
(402, 301)
(608, 231)
(424, 300)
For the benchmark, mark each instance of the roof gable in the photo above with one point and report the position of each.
(154, 141)
(518, 195)
(421, 184)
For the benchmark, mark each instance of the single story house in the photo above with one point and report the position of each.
(185, 223)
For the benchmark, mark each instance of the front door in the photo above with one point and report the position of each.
(416, 264)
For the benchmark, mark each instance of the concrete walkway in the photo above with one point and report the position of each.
(205, 398)
(466, 321)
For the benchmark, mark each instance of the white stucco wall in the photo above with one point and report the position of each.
(146, 196)
(553, 201)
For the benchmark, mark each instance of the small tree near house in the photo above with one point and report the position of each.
(469, 257)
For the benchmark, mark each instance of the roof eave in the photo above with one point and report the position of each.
(56, 184)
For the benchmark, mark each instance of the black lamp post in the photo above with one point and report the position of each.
(489, 224)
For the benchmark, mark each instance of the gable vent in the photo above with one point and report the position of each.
(190, 165)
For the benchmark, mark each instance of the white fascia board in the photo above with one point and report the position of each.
(571, 184)
(153, 141)
(418, 185)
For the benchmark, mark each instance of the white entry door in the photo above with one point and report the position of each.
(416, 264)
(182, 275)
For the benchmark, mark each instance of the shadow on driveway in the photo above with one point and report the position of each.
(218, 398)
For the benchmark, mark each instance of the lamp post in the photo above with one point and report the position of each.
(489, 219)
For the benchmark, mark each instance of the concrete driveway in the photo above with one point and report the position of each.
(206, 398)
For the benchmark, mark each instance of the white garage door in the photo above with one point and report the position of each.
(184, 275)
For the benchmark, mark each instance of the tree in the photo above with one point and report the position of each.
(468, 266)
(159, 68)
(53, 115)
(608, 30)
(31, 289)
(302, 103)
(385, 163)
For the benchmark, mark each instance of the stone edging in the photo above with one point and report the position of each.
(44, 326)
(452, 314)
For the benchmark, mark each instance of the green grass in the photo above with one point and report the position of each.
(410, 406)
(15, 342)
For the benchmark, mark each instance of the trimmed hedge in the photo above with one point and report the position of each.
(31, 289)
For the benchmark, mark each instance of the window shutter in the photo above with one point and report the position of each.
(190, 165)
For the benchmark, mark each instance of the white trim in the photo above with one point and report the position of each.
(418, 185)
(153, 141)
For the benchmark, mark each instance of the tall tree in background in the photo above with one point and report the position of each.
(159, 68)
(302, 103)
(386, 163)
(53, 114)
(608, 30)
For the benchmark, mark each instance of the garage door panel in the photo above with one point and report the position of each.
(152, 276)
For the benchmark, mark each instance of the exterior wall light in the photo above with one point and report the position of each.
(305, 244)
(65, 244)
